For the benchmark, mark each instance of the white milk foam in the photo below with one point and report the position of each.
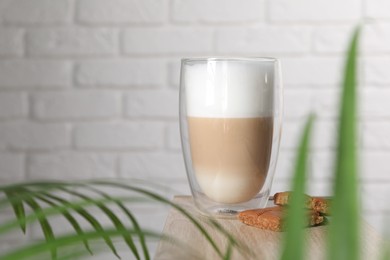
(238, 89)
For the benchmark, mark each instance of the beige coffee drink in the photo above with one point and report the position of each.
(230, 124)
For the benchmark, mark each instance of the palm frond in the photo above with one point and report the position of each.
(386, 250)
(111, 215)
(296, 217)
(344, 229)
(17, 205)
(67, 240)
(59, 206)
(168, 202)
(87, 216)
(132, 219)
(46, 227)
(72, 221)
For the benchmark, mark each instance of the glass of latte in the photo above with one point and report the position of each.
(230, 126)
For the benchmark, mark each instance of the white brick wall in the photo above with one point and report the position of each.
(72, 41)
(218, 11)
(377, 8)
(72, 165)
(315, 11)
(35, 73)
(39, 12)
(11, 42)
(141, 135)
(121, 73)
(168, 41)
(89, 88)
(263, 40)
(122, 11)
(12, 167)
(29, 135)
(13, 105)
(85, 104)
(141, 104)
(165, 166)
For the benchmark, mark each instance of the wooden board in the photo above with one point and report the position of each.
(191, 244)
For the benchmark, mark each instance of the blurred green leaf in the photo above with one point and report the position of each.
(111, 215)
(67, 240)
(168, 202)
(386, 250)
(60, 206)
(45, 225)
(296, 213)
(17, 205)
(344, 238)
(131, 217)
(87, 216)
(72, 221)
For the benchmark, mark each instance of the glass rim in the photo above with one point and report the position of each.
(222, 58)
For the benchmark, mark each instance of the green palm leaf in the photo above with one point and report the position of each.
(59, 206)
(114, 219)
(344, 229)
(87, 216)
(133, 220)
(17, 205)
(386, 250)
(296, 217)
(165, 201)
(67, 240)
(45, 225)
(73, 222)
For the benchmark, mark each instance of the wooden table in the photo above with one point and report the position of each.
(191, 244)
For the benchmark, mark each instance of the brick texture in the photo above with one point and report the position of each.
(377, 9)
(72, 41)
(12, 167)
(46, 12)
(146, 135)
(139, 166)
(375, 135)
(141, 104)
(331, 39)
(31, 73)
(13, 105)
(76, 105)
(218, 11)
(167, 41)
(64, 166)
(34, 136)
(173, 136)
(311, 71)
(121, 11)
(376, 38)
(375, 71)
(266, 39)
(11, 42)
(374, 103)
(314, 11)
(121, 73)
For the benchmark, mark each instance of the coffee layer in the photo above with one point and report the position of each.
(231, 156)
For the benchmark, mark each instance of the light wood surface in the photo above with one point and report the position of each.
(191, 244)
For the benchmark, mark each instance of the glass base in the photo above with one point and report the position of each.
(209, 207)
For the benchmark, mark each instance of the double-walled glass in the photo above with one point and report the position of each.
(230, 126)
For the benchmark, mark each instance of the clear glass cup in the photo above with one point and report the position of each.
(230, 126)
